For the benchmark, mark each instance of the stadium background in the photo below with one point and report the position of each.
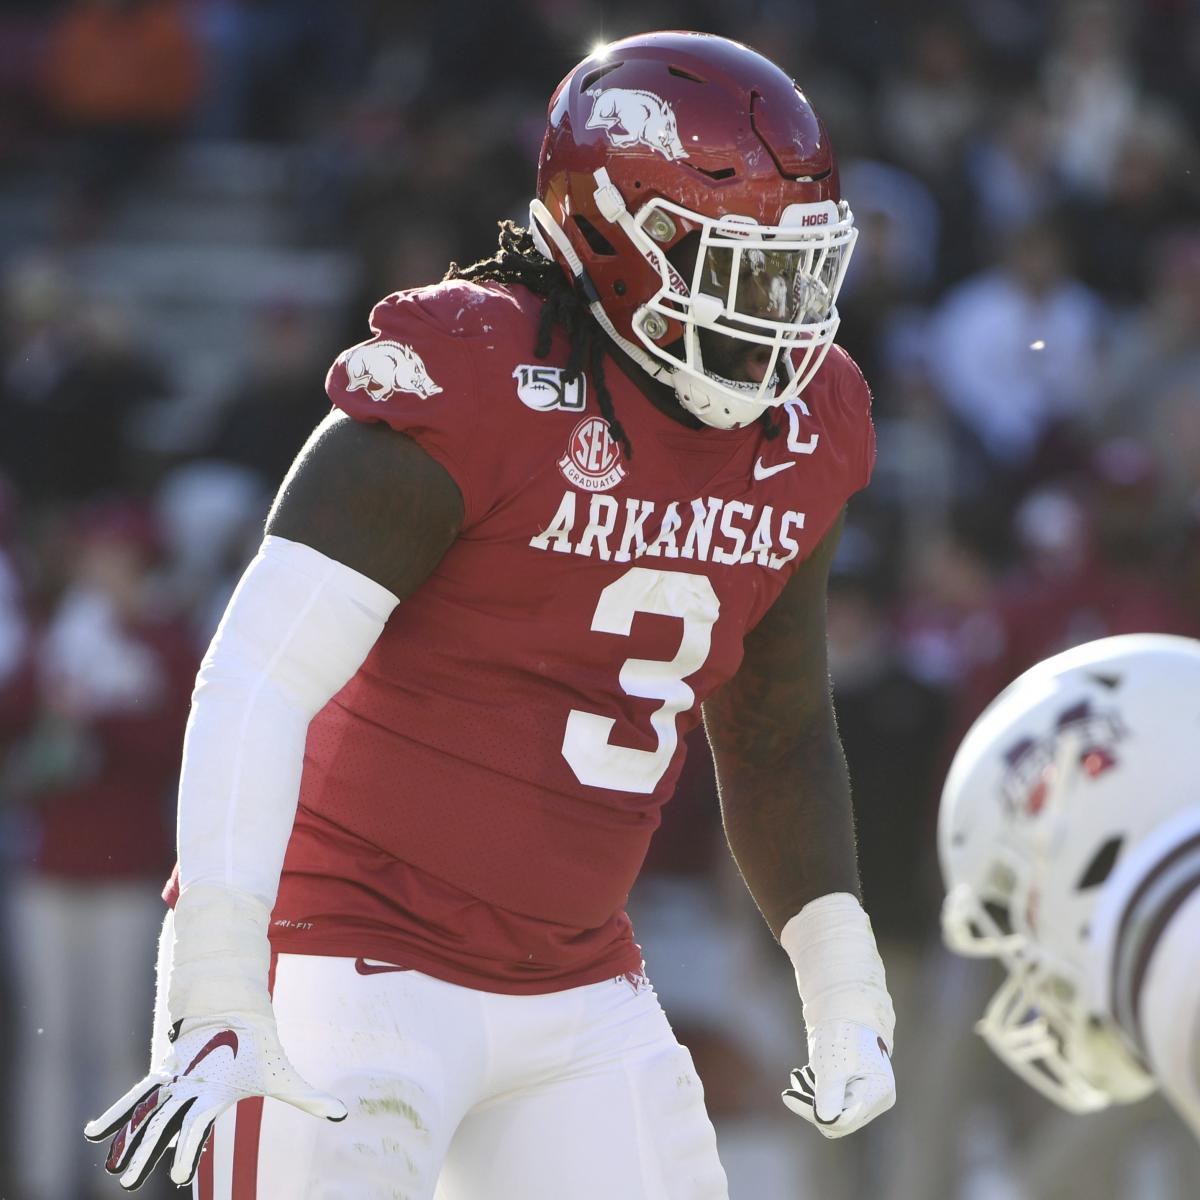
(199, 201)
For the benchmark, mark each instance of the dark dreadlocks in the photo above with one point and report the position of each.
(518, 260)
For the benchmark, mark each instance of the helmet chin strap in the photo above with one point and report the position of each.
(711, 402)
(543, 223)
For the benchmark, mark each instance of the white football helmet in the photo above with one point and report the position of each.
(1066, 771)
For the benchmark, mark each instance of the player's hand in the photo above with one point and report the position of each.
(848, 1080)
(213, 1063)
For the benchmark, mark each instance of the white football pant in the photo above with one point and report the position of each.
(456, 1094)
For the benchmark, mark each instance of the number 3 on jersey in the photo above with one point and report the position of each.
(586, 746)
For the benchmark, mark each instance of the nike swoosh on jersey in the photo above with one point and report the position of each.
(762, 472)
(365, 967)
(225, 1038)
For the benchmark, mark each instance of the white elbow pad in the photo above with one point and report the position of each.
(298, 627)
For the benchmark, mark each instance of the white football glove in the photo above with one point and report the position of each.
(848, 1080)
(214, 1043)
(213, 1064)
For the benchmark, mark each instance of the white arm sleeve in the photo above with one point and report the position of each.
(298, 627)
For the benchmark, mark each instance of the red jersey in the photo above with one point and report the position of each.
(478, 800)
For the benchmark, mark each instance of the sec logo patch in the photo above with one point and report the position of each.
(593, 460)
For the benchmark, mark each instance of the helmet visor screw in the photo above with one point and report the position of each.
(654, 325)
(660, 227)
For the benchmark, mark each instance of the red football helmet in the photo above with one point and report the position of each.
(668, 136)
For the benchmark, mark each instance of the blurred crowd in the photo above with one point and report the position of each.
(199, 201)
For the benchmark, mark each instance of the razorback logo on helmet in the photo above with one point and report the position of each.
(546, 388)
(382, 368)
(633, 117)
(593, 460)
(1033, 763)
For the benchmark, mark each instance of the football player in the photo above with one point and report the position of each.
(568, 500)
(1069, 838)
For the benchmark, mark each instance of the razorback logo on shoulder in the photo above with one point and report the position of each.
(633, 117)
(383, 368)
(545, 388)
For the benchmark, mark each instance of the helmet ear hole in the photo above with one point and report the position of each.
(598, 243)
(1103, 861)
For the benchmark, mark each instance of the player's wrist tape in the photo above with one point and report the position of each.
(298, 627)
(838, 969)
(220, 957)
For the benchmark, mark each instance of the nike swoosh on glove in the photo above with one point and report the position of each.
(848, 1080)
(215, 1062)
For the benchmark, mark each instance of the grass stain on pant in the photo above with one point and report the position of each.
(394, 1106)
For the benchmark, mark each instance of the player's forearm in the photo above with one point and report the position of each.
(788, 817)
(789, 823)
